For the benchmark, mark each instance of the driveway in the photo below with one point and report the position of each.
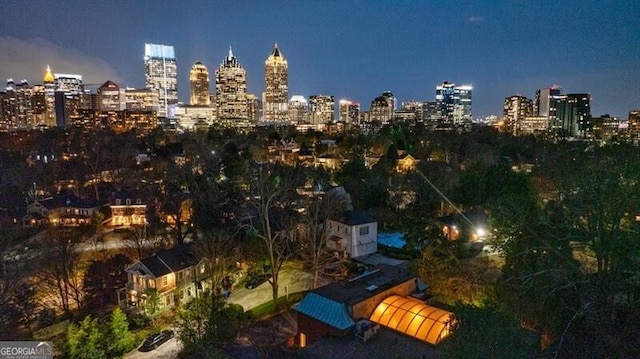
(291, 280)
(168, 350)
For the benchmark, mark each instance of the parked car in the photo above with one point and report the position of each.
(155, 340)
(256, 280)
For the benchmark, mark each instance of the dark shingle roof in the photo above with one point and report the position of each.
(70, 201)
(354, 218)
(368, 284)
(171, 260)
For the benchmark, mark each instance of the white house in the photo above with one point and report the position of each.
(353, 235)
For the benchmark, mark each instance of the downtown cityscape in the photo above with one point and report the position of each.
(320, 180)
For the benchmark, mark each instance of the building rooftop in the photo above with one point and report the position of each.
(171, 260)
(355, 218)
(70, 201)
(366, 285)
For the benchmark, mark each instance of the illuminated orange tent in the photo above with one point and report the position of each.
(414, 318)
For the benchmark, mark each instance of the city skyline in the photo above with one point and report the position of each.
(352, 50)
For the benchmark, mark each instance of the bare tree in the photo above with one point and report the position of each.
(313, 239)
(276, 227)
(60, 266)
(217, 247)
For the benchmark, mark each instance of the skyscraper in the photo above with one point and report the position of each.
(49, 94)
(543, 103)
(69, 91)
(276, 87)
(321, 109)
(112, 97)
(382, 108)
(298, 110)
(231, 91)
(199, 81)
(349, 112)
(515, 109)
(454, 103)
(573, 116)
(161, 75)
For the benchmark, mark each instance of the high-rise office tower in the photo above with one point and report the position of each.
(382, 108)
(349, 112)
(298, 109)
(276, 86)
(321, 109)
(199, 81)
(454, 102)
(543, 103)
(253, 108)
(111, 97)
(49, 94)
(231, 91)
(161, 75)
(69, 91)
(633, 129)
(573, 116)
(515, 109)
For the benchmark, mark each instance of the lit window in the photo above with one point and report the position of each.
(165, 280)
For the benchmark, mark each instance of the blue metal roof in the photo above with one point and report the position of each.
(325, 310)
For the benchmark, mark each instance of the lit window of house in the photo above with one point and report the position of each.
(202, 268)
(165, 281)
(364, 230)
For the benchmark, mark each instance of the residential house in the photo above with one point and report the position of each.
(64, 210)
(352, 235)
(406, 162)
(176, 274)
(127, 209)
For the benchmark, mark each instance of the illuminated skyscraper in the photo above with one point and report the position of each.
(69, 91)
(349, 112)
(231, 91)
(454, 103)
(49, 94)
(321, 109)
(199, 80)
(543, 104)
(161, 75)
(298, 109)
(382, 108)
(276, 89)
(111, 97)
(633, 129)
(573, 116)
(515, 109)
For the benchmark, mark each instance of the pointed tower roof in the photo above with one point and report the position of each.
(230, 56)
(48, 77)
(276, 51)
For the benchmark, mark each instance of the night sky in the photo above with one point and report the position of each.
(349, 49)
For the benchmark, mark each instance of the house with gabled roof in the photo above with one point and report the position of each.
(176, 274)
(128, 209)
(64, 210)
